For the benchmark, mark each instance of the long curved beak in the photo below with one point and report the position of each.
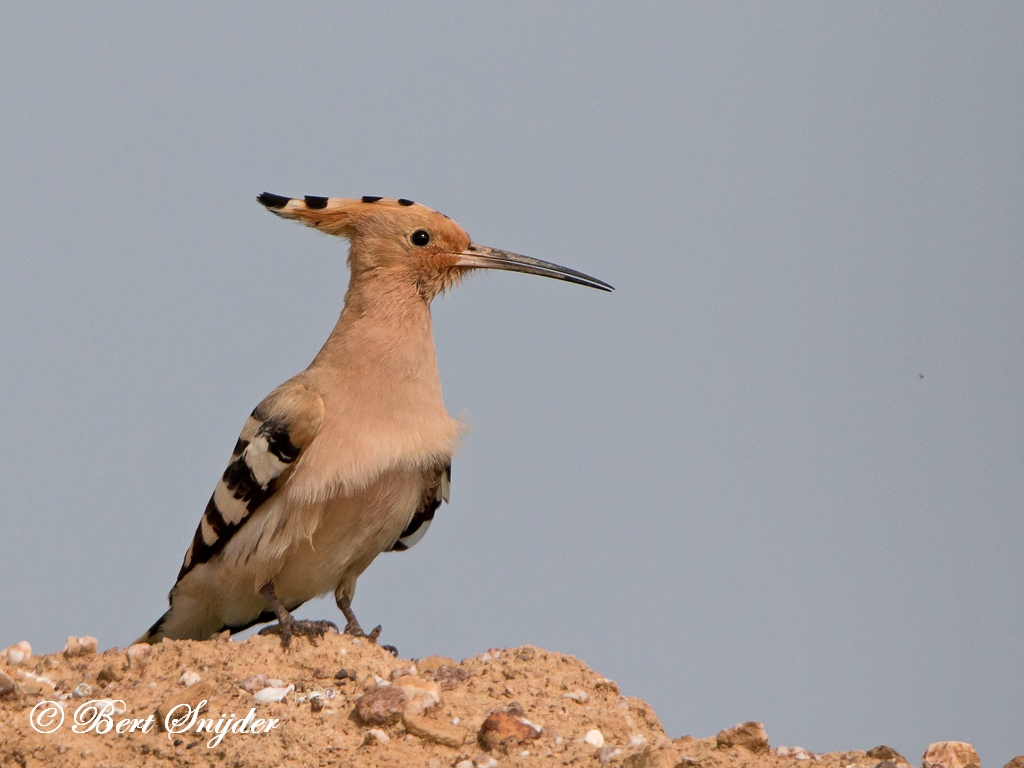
(482, 257)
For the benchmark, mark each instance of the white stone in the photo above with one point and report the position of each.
(485, 761)
(20, 652)
(578, 695)
(594, 738)
(376, 735)
(138, 655)
(189, 678)
(268, 695)
(80, 646)
(420, 694)
(464, 764)
(637, 740)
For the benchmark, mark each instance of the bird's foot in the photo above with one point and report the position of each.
(353, 628)
(301, 628)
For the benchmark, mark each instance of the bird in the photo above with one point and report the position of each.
(351, 457)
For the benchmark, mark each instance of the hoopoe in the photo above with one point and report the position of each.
(351, 457)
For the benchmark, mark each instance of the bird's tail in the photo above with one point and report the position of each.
(156, 632)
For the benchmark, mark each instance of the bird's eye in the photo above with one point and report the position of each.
(420, 237)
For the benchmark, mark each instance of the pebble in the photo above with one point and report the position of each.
(449, 676)
(637, 740)
(485, 761)
(950, 754)
(594, 738)
(797, 753)
(501, 727)
(606, 754)
(750, 735)
(82, 690)
(20, 652)
(272, 694)
(316, 704)
(402, 671)
(138, 655)
(464, 764)
(253, 683)
(81, 646)
(375, 736)
(189, 678)
(883, 752)
(7, 686)
(436, 731)
(578, 695)
(420, 694)
(382, 705)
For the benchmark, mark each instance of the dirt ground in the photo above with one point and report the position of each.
(346, 702)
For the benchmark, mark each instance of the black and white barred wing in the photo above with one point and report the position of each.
(271, 441)
(438, 489)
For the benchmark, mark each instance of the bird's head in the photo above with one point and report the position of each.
(409, 242)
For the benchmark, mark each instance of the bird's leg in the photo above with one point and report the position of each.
(287, 625)
(353, 628)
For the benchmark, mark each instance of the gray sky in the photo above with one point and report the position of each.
(726, 485)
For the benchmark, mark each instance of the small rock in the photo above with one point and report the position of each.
(8, 688)
(420, 694)
(253, 683)
(749, 735)
(637, 740)
(138, 655)
(449, 676)
(18, 653)
(272, 694)
(398, 672)
(505, 728)
(594, 738)
(316, 704)
(1017, 762)
(606, 754)
(464, 764)
(882, 752)
(80, 646)
(607, 685)
(188, 678)
(82, 690)
(382, 705)
(578, 695)
(436, 731)
(375, 736)
(484, 761)
(799, 753)
(950, 754)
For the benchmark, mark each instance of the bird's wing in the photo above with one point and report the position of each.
(438, 489)
(271, 441)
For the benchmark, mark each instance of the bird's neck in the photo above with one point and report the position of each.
(384, 331)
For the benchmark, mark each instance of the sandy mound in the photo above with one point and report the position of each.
(345, 702)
